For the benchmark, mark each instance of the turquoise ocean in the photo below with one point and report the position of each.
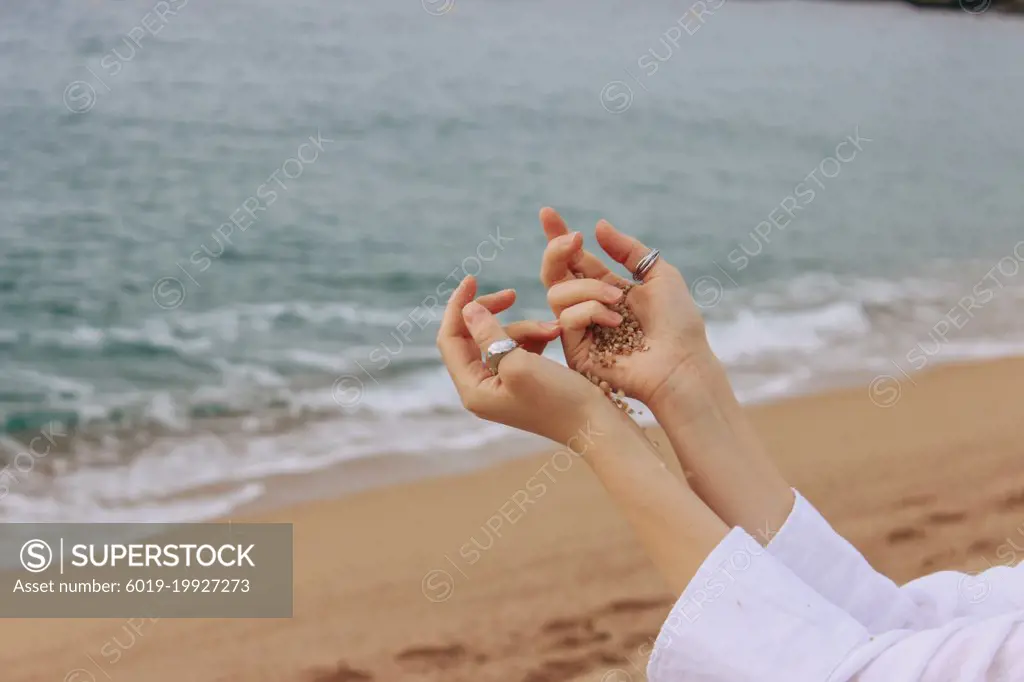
(226, 225)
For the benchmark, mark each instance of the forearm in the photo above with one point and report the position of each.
(717, 447)
(675, 527)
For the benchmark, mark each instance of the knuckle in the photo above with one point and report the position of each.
(515, 367)
(580, 315)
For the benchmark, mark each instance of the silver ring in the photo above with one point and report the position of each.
(496, 351)
(645, 265)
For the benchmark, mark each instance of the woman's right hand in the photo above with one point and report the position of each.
(671, 321)
(678, 377)
(530, 392)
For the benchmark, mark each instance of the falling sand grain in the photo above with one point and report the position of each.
(612, 342)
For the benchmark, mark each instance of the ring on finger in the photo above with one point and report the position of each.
(645, 265)
(496, 351)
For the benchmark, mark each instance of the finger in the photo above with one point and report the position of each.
(580, 316)
(483, 326)
(558, 254)
(582, 262)
(532, 329)
(552, 222)
(573, 291)
(532, 335)
(451, 321)
(460, 357)
(499, 301)
(622, 248)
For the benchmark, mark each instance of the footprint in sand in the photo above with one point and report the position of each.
(943, 518)
(1013, 501)
(638, 640)
(900, 535)
(635, 605)
(427, 658)
(603, 658)
(573, 633)
(982, 546)
(580, 640)
(556, 625)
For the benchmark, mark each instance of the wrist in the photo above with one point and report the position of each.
(584, 428)
(691, 388)
(605, 432)
(717, 445)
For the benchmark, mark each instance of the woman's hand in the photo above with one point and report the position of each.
(531, 335)
(678, 377)
(670, 319)
(535, 394)
(529, 392)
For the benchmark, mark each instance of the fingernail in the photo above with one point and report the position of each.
(550, 325)
(472, 311)
(614, 318)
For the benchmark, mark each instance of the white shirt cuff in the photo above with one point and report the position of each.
(809, 547)
(743, 615)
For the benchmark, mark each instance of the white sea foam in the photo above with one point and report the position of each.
(778, 340)
(56, 508)
(752, 334)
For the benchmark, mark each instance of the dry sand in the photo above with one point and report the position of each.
(935, 481)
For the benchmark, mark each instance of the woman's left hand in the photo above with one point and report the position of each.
(539, 395)
(530, 392)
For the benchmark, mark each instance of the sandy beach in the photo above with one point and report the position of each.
(409, 582)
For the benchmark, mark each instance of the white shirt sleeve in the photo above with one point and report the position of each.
(809, 547)
(746, 617)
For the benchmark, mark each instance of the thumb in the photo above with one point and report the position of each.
(482, 325)
(624, 249)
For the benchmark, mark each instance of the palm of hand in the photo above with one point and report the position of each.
(671, 324)
(668, 316)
